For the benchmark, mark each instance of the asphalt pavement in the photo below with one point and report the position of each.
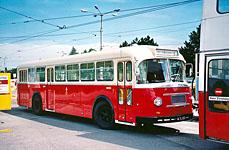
(20, 129)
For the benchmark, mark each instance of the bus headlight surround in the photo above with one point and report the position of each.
(157, 101)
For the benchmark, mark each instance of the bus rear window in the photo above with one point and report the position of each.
(223, 6)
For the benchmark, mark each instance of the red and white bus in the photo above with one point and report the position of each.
(138, 84)
(214, 71)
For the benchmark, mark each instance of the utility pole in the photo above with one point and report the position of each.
(101, 21)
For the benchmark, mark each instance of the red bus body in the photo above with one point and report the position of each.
(213, 72)
(80, 98)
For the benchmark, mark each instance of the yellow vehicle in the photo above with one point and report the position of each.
(5, 91)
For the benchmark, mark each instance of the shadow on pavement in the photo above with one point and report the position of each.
(149, 137)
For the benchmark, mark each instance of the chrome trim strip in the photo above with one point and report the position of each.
(125, 123)
(178, 105)
(172, 94)
(49, 110)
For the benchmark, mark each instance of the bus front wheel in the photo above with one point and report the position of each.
(37, 104)
(103, 115)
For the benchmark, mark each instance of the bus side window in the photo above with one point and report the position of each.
(104, 71)
(40, 74)
(87, 72)
(129, 71)
(218, 85)
(120, 71)
(223, 6)
(60, 73)
(23, 76)
(73, 72)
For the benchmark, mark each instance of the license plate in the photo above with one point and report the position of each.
(178, 99)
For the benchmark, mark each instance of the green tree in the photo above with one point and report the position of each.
(124, 44)
(88, 51)
(142, 41)
(191, 46)
(73, 51)
(91, 50)
(85, 51)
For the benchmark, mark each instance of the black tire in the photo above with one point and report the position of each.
(104, 115)
(37, 104)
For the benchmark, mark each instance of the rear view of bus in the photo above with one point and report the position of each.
(214, 71)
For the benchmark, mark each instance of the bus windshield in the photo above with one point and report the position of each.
(160, 70)
(177, 68)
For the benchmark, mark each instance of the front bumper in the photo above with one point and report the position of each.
(164, 119)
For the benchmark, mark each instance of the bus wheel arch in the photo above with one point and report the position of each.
(37, 103)
(103, 113)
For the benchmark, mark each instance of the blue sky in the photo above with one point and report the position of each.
(52, 46)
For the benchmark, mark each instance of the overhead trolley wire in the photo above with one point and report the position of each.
(165, 6)
(47, 35)
(34, 36)
(42, 21)
(152, 28)
(47, 19)
(90, 14)
(160, 7)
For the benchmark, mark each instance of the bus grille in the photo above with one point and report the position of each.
(177, 99)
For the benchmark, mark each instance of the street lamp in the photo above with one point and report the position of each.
(101, 20)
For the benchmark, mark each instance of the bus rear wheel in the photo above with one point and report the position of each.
(37, 104)
(104, 116)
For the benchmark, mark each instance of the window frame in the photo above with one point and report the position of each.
(23, 75)
(104, 70)
(60, 73)
(87, 68)
(73, 70)
(131, 78)
(218, 8)
(40, 73)
(212, 109)
(34, 73)
(122, 71)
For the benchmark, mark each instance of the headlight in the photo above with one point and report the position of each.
(158, 101)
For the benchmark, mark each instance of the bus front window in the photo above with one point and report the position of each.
(176, 70)
(152, 71)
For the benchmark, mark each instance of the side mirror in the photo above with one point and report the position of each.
(191, 72)
(137, 72)
(189, 69)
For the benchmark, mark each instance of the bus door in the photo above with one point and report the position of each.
(217, 97)
(124, 71)
(50, 92)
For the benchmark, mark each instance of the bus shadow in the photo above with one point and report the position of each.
(78, 123)
(126, 136)
(54, 119)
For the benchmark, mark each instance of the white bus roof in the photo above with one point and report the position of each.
(138, 52)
